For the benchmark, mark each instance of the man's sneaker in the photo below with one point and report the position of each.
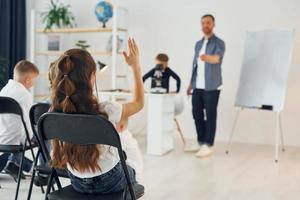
(191, 147)
(40, 180)
(13, 170)
(205, 151)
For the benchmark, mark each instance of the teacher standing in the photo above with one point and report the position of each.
(205, 85)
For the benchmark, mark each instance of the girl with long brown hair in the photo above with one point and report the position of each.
(92, 168)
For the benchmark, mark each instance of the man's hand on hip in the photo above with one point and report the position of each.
(189, 90)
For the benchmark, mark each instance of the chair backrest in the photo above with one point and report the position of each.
(36, 111)
(78, 129)
(10, 106)
(179, 104)
(81, 129)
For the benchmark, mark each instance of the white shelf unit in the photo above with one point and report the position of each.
(40, 54)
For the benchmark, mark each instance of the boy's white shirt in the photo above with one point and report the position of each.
(12, 131)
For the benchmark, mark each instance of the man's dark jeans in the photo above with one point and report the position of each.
(205, 105)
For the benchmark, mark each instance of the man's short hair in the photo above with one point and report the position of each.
(162, 57)
(208, 15)
(24, 67)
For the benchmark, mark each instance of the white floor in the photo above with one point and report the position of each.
(249, 172)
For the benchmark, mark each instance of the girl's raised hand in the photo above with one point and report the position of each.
(133, 56)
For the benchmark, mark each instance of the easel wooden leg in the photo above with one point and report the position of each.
(233, 130)
(180, 132)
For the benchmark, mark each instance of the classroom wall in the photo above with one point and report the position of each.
(173, 27)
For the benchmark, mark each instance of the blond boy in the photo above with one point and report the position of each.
(11, 129)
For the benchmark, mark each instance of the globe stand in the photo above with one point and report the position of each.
(103, 24)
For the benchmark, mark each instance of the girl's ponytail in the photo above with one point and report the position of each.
(65, 85)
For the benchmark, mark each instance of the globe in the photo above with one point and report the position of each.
(103, 12)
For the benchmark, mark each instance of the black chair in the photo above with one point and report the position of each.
(11, 106)
(82, 129)
(35, 113)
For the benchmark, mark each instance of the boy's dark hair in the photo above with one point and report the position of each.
(25, 67)
(208, 15)
(162, 57)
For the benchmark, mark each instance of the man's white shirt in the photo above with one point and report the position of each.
(200, 81)
(11, 128)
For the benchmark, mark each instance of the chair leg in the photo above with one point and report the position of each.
(57, 180)
(19, 175)
(33, 176)
(180, 131)
(42, 189)
(50, 181)
(31, 185)
(31, 149)
(125, 192)
(52, 187)
(32, 179)
(129, 184)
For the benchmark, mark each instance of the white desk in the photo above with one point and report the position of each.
(160, 120)
(160, 129)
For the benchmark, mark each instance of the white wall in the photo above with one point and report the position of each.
(174, 27)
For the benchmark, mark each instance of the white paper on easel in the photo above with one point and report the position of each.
(265, 68)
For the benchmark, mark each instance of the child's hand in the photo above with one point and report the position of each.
(122, 125)
(133, 58)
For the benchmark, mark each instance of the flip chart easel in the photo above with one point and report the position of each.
(264, 76)
(278, 135)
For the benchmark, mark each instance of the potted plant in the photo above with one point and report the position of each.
(82, 44)
(3, 72)
(58, 16)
